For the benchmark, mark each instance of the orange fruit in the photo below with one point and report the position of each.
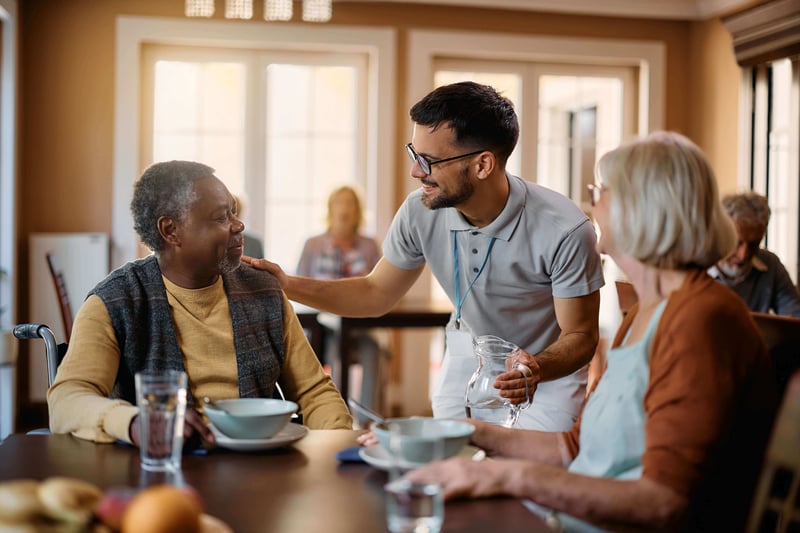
(162, 509)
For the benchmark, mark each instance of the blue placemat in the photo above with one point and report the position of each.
(349, 455)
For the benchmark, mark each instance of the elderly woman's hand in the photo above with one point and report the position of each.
(367, 439)
(460, 477)
(512, 383)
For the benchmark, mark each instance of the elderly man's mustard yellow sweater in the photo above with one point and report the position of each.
(79, 400)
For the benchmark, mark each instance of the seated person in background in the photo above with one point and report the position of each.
(342, 252)
(191, 306)
(673, 435)
(755, 274)
(252, 244)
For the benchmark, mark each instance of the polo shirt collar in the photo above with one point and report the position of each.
(503, 226)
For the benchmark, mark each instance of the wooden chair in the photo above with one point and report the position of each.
(782, 336)
(61, 292)
(776, 506)
(626, 295)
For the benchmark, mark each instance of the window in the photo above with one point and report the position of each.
(766, 41)
(771, 158)
(217, 61)
(282, 129)
(569, 115)
(8, 254)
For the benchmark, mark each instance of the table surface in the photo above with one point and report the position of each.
(300, 488)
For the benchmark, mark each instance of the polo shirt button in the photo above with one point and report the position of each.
(474, 232)
(475, 270)
(474, 250)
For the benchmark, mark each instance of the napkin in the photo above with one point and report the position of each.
(349, 455)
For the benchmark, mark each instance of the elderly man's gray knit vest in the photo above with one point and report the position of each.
(136, 300)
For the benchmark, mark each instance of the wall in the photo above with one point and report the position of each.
(713, 85)
(67, 98)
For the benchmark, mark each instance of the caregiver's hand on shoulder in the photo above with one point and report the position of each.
(273, 268)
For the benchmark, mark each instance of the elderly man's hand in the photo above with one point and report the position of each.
(193, 427)
(512, 384)
(273, 268)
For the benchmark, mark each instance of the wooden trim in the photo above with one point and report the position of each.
(766, 32)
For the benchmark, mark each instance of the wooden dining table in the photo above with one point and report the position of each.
(300, 488)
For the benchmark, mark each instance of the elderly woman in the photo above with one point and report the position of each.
(672, 436)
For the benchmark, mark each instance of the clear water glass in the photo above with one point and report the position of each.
(161, 398)
(412, 507)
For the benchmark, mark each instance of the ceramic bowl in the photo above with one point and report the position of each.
(251, 418)
(417, 436)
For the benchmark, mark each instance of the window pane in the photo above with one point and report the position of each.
(782, 234)
(311, 148)
(507, 84)
(199, 110)
(580, 118)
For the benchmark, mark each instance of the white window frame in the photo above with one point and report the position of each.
(255, 61)
(378, 43)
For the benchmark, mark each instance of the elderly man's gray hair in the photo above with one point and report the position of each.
(165, 189)
(748, 208)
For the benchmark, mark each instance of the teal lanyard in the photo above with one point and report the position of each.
(459, 300)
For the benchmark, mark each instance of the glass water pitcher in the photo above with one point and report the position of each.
(483, 401)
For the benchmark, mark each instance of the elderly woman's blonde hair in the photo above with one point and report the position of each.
(346, 190)
(664, 204)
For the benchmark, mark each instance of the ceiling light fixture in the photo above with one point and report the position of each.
(239, 9)
(317, 10)
(199, 8)
(278, 10)
(313, 10)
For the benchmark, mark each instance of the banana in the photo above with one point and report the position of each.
(69, 500)
(19, 501)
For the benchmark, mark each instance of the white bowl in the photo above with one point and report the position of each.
(251, 418)
(418, 434)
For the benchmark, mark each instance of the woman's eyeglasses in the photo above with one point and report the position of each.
(595, 192)
(425, 164)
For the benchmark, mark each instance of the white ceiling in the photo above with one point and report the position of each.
(666, 9)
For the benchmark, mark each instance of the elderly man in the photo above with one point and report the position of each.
(190, 306)
(754, 273)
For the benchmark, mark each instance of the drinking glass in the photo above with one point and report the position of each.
(412, 507)
(161, 397)
(482, 400)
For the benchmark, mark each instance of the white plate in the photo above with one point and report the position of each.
(291, 433)
(379, 458)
